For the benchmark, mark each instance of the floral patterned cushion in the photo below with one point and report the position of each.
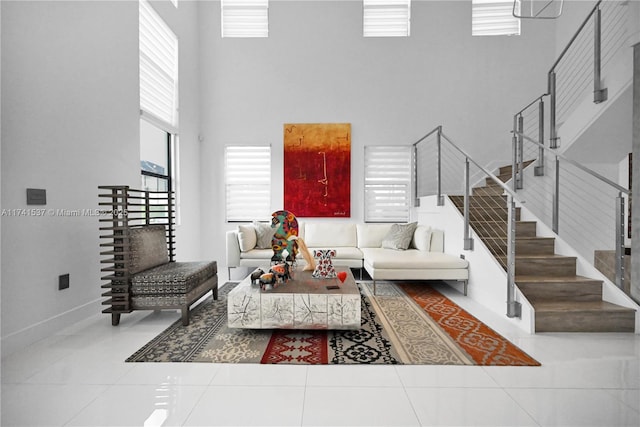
(173, 278)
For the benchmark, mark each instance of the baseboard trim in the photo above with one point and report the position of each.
(24, 337)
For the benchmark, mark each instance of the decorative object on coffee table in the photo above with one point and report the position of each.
(286, 226)
(324, 267)
(306, 254)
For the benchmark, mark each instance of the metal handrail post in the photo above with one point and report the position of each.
(514, 153)
(620, 241)
(514, 308)
(440, 200)
(514, 162)
(539, 169)
(553, 131)
(414, 178)
(468, 240)
(520, 180)
(556, 199)
(599, 93)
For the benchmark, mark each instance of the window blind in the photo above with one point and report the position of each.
(387, 183)
(158, 69)
(386, 18)
(494, 18)
(248, 182)
(245, 18)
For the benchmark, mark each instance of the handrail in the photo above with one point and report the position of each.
(531, 103)
(537, 15)
(575, 36)
(491, 175)
(436, 129)
(578, 165)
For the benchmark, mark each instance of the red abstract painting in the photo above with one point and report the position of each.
(317, 169)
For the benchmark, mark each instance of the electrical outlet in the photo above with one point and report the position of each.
(63, 282)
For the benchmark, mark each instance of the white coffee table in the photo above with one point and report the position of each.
(301, 303)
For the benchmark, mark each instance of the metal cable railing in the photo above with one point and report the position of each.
(581, 204)
(583, 207)
(577, 73)
(442, 167)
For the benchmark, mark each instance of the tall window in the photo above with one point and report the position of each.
(494, 18)
(155, 157)
(247, 182)
(158, 99)
(386, 18)
(245, 18)
(387, 183)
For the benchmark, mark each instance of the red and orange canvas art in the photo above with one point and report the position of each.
(317, 169)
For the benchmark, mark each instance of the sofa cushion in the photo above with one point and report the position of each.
(399, 236)
(411, 259)
(247, 237)
(421, 238)
(264, 234)
(148, 247)
(329, 234)
(371, 235)
(172, 278)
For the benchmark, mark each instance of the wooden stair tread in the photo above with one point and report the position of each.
(544, 256)
(573, 306)
(555, 279)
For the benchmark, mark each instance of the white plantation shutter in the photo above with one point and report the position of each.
(386, 18)
(158, 68)
(387, 183)
(248, 182)
(494, 18)
(245, 18)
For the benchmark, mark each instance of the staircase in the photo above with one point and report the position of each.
(562, 300)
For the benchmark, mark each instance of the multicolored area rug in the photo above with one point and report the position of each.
(405, 323)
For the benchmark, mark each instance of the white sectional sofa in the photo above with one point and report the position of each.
(360, 246)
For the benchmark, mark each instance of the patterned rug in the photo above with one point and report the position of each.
(405, 323)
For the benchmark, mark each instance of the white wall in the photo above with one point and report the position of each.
(315, 66)
(70, 122)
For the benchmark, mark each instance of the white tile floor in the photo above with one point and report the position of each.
(78, 378)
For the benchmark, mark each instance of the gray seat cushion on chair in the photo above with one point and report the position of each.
(173, 278)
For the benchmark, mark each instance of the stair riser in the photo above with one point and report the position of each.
(480, 214)
(489, 202)
(505, 170)
(490, 182)
(603, 321)
(487, 191)
(546, 267)
(526, 229)
(586, 291)
(492, 230)
(540, 246)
